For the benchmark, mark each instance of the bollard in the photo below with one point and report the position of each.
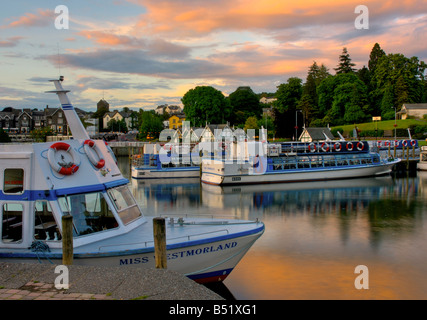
(159, 234)
(67, 240)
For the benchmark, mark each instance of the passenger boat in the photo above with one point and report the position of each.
(422, 164)
(258, 162)
(162, 162)
(42, 182)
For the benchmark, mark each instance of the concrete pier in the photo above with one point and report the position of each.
(20, 281)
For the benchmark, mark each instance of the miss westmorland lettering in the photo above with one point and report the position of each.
(182, 254)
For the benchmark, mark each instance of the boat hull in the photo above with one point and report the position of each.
(201, 259)
(170, 173)
(297, 175)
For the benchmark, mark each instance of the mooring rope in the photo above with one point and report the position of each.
(39, 246)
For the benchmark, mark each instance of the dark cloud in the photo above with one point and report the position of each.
(139, 62)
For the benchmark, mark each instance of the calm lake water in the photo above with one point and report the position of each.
(316, 234)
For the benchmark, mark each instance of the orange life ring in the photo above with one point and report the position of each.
(349, 146)
(62, 168)
(312, 147)
(360, 146)
(98, 163)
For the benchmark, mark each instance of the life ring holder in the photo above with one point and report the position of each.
(98, 163)
(360, 146)
(64, 170)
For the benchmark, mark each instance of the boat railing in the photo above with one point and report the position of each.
(150, 243)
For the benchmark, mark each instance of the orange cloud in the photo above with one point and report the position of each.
(106, 38)
(192, 18)
(41, 19)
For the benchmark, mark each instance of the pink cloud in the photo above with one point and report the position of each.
(10, 42)
(41, 19)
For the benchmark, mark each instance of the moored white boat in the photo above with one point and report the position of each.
(298, 162)
(79, 177)
(158, 163)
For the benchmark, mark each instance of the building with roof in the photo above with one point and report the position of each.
(413, 110)
(175, 121)
(316, 134)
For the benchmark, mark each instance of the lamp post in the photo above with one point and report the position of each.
(395, 123)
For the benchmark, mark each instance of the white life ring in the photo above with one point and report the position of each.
(360, 146)
(349, 146)
(98, 163)
(337, 146)
(413, 143)
(312, 147)
(325, 147)
(62, 168)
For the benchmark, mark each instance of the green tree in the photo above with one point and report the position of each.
(205, 104)
(251, 123)
(244, 103)
(397, 80)
(376, 54)
(267, 123)
(288, 95)
(345, 65)
(151, 124)
(310, 98)
(344, 98)
(117, 125)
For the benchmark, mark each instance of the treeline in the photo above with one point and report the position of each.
(350, 96)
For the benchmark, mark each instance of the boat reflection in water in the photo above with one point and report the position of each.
(317, 233)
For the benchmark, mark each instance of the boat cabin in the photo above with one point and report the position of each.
(42, 182)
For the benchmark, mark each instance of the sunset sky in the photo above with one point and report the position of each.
(143, 53)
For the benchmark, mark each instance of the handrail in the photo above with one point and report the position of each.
(168, 239)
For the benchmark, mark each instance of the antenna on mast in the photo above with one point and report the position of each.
(59, 61)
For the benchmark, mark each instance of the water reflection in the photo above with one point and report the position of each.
(316, 234)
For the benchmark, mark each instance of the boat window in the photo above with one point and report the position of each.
(45, 226)
(125, 204)
(90, 212)
(12, 222)
(13, 181)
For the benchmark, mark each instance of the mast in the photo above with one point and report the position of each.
(77, 129)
